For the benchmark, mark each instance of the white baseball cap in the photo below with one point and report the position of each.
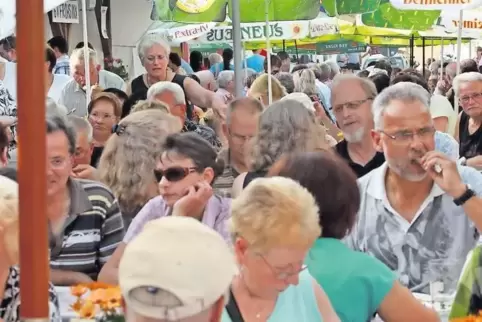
(302, 98)
(175, 268)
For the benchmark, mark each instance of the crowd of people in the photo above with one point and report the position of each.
(334, 200)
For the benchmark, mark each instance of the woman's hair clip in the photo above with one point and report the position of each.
(119, 129)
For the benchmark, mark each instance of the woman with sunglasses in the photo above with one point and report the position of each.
(185, 172)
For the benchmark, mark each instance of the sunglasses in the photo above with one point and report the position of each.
(173, 174)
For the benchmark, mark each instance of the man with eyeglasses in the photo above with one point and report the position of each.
(353, 112)
(420, 211)
(468, 88)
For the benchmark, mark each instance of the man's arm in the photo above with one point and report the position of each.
(60, 277)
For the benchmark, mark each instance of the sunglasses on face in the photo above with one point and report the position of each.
(173, 174)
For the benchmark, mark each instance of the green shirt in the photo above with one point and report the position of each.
(355, 283)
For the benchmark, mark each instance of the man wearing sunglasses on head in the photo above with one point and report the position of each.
(185, 173)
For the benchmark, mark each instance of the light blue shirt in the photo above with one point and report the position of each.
(296, 303)
(256, 62)
(219, 67)
(187, 68)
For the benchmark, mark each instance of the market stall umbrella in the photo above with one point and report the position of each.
(8, 12)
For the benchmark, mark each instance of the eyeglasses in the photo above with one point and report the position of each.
(407, 136)
(351, 105)
(466, 98)
(98, 117)
(282, 276)
(152, 59)
(173, 174)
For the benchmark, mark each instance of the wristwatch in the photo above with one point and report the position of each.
(469, 193)
(463, 161)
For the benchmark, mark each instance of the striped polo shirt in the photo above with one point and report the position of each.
(91, 232)
(223, 184)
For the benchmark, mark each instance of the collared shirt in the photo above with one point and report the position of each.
(62, 66)
(92, 231)
(224, 183)
(216, 215)
(204, 131)
(74, 97)
(432, 247)
(443, 143)
(360, 170)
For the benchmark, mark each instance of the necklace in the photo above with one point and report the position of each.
(259, 312)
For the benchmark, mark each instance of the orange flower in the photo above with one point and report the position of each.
(77, 305)
(78, 290)
(97, 296)
(99, 285)
(88, 310)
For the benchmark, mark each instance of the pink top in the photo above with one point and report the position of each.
(216, 214)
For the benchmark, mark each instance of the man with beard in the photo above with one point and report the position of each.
(352, 99)
(420, 212)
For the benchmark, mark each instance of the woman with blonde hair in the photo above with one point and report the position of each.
(285, 126)
(9, 257)
(259, 89)
(130, 157)
(274, 223)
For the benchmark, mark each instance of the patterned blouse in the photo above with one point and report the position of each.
(10, 305)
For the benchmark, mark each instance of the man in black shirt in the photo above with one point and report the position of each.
(352, 99)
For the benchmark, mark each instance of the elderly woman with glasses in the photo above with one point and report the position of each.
(185, 171)
(9, 257)
(154, 55)
(274, 223)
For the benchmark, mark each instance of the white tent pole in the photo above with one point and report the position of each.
(431, 56)
(459, 40)
(442, 59)
(268, 50)
(88, 90)
(470, 48)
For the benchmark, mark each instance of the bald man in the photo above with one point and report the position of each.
(207, 80)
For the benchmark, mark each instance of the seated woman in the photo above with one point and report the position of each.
(185, 171)
(9, 257)
(130, 157)
(357, 284)
(104, 111)
(274, 223)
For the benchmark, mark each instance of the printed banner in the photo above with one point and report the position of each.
(198, 11)
(472, 21)
(323, 26)
(340, 47)
(436, 4)
(67, 12)
(187, 32)
(258, 32)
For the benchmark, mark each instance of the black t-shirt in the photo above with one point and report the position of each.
(470, 144)
(360, 170)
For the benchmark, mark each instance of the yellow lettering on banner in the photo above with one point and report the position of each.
(438, 2)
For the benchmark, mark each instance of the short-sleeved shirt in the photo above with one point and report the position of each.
(216, 214)
(92, 231)
(74, 97)
(440, 107)
(224, 183)
(434, 245)
(356, 283)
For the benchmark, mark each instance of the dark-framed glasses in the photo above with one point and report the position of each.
(407, 136)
